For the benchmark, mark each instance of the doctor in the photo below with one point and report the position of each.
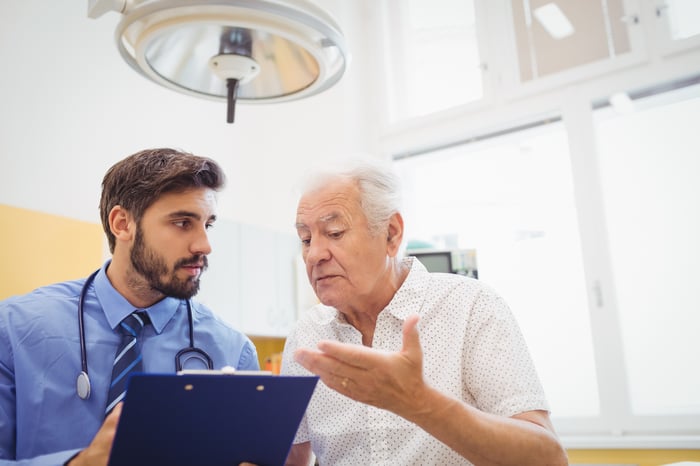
(58, 343)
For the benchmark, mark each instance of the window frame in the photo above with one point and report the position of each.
(573, 96)
(666, 45)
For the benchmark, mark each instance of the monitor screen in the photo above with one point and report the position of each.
(435, 261)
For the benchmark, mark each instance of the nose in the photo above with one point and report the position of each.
(317, 251)
(200, 244)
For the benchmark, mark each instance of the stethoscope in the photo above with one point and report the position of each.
(181, 358)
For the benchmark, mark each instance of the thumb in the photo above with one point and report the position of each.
(411, 339)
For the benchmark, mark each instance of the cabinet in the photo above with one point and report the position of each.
(251, 278)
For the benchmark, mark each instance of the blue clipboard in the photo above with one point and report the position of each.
(198, 419)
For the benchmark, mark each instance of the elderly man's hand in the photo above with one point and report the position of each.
(392, 381)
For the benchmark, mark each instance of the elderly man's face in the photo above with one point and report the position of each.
(346, 264)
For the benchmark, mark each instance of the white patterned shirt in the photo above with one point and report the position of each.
(473, 350)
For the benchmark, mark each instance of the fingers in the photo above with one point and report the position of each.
(411, 338)
(97, 453)
(339, 363)
(364, 357)
(335, 362)
(324, 367)
(323, 364)
(339, 358)
(353, 355)
(113, 416)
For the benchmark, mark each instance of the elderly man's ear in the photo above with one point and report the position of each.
(395, 234)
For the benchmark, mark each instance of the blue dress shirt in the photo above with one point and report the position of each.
(42, 419)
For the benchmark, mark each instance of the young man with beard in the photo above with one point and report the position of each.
(156, 208)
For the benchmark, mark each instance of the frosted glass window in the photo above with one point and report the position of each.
(511, 200)
(683, 18)
(554, 36)
(650, 173)
(434, 57)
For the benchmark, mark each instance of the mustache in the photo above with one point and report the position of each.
(194, 261)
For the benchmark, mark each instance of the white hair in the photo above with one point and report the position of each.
(379, 186)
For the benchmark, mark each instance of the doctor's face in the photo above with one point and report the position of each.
(171, 242)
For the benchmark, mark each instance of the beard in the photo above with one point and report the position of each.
(153, 268)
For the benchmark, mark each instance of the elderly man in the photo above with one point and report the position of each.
(418, 368)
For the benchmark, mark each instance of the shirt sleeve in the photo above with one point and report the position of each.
(7, 390)
(8, 411)
(51, 459)
(249, 358)
(499, 370)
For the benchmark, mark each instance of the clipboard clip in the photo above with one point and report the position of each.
(226, 370)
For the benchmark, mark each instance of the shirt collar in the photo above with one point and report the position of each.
(116, 307)
(409, 298)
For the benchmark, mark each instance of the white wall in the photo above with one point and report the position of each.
(70, 107)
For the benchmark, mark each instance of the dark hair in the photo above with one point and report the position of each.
(140, 179)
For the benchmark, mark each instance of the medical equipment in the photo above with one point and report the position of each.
(181, 358)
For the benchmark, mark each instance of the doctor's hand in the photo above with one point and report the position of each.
(97, 453)
(392, 381)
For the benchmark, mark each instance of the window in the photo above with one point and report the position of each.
(650, 167)
(678, 24)
(511, 199)
(583, 216)
(682, 17)
(434, 61)
(553, 36)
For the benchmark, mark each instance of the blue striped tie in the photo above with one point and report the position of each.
(128, 357)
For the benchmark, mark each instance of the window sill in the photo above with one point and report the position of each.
(652, 442)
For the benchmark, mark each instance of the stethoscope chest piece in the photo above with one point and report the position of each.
(83, 385)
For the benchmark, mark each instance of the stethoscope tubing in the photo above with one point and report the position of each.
(83, 381)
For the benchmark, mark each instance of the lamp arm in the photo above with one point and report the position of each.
(97, 8)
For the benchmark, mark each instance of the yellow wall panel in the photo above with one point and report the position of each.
(268, 348)
(38, 249)
(636, 457)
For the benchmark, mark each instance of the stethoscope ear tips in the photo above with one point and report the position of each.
(83, 385)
